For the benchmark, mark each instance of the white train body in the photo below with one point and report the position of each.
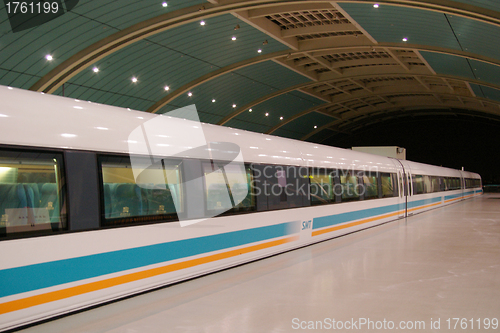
(52, 272)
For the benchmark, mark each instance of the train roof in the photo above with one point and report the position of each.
(42, 120)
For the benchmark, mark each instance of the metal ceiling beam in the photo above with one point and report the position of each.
(352, 96)
(389, 91)
(50, 82)
(318, 29)
(288, 8)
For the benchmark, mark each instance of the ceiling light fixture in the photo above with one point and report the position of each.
(233, 38)
(267, 114)
(376, 5)
(405, 39)
(213, 100)
(134, 79)
(167, 88)
(250, 110)
(234, 106)
(49, 57)
(190, 94)
(315, 126)
(95, 69)
(202, 23)
(164, 4)
(281, 118)
(259, 51)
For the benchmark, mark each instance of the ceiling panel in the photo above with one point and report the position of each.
(305, 124)
(286, 106)
(476, 37)
(448, 64)
(486, 72)
(486, 92)
(392, 23)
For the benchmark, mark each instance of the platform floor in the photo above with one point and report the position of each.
(433, 266)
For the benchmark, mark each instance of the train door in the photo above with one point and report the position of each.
(402, 188)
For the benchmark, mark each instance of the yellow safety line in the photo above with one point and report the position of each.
(111, 282)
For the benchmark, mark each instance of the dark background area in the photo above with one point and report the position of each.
(454, 142)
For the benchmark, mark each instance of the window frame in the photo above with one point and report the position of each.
(134, 220)
(63, 197)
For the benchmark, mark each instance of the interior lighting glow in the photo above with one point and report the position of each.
(267, 114)
(134, 79)
(95, 69)
(281, 118)
(376, 5)
(234, 106)
(68, 135)
(190, 94)
(259, 50)
(233, 38)
(102, 128)
(202, 23)
(164, 4)
(3, 116)
(405, 39)
(167, 88)
(250, 110)
(213, 100)
(315, 126)
(49, 57)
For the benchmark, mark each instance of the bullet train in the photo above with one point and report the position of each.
(99, 202)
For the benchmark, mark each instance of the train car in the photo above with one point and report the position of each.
(99, 202)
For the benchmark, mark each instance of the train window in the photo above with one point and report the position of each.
(427, 184)
(350, 186)
(228, 187)
(135, 190)
(435, 186)
(388, 181)
(418, 184)
(321, 186)
(31, 193)
(370, 182)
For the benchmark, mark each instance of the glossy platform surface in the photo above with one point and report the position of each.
(432, 266)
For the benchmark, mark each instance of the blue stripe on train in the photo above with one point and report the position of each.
(33, 277)
(326, 221)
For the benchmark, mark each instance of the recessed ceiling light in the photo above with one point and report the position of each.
(233, 38)
(259, 50)
(234, 105)
(190, 94)
(250, 110)
(49, 57)
(213, 100)
(167, 88)
(164, 4)
(134, 79)
(267, 114)
(376, 5)
(95, 69)
(405, 39)
(281, 118)
(315, 126)
(202, 23)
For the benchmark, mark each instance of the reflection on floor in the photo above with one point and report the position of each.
(420, 271)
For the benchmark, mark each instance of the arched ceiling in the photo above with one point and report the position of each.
(323, 67)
